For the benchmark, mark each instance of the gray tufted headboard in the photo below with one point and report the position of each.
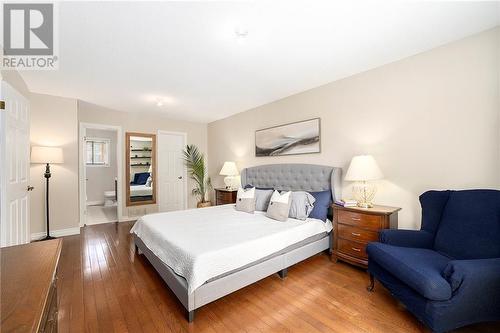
(296, 177)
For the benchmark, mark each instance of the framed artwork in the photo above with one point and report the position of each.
(301, 137)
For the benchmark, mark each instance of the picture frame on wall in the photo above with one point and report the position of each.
(301, 137)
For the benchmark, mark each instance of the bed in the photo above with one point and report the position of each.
(140, 191)
(224, 250)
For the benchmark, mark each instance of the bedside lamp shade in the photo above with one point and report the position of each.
(363, 168)
(229, 169)
(46, 155)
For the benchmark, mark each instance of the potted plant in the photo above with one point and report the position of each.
(195, 163)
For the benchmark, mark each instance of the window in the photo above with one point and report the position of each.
(97, 151)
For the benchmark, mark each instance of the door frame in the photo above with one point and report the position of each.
(82, 171)
(158, 173)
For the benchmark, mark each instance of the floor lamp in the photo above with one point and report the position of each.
(47, 155)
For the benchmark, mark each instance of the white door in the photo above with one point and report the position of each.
(14, 172)
(171, 171)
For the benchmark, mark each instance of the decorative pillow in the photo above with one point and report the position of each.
(321, 205)
(149, 182)
(262, 198)
(141, 178)
(302, 205)
(258, 188)
(245, 200)
(279, 206)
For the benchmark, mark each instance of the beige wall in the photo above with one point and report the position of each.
(431, 121)
(54, 123)
(145, 123)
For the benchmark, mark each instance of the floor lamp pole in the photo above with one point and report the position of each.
(47, 176)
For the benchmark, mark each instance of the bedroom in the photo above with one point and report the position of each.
(315, 89)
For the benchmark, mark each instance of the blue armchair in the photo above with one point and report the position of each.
(448, 273)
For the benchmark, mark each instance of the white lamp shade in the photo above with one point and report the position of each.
(362, 168)
(229, 169)
(46, 155)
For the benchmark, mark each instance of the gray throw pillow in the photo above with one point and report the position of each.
(262, 198)
(302, 205)
(279, 206)
(245, 200)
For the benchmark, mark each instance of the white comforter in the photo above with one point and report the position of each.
(200, 244)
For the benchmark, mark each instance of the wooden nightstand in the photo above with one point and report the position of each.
(224, 196)
(354, 228)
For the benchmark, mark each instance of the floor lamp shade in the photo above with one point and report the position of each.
(44, 155)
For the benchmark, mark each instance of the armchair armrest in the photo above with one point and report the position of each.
(476, 275)
(407, 238)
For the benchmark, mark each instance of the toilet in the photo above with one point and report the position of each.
(109, 198)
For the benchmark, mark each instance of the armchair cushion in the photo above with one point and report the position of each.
(419, 268)
(470, 225)
(479, 273)
(407, 238)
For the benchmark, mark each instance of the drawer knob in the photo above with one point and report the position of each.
(355, 234)
(356, 249)
(356, 218)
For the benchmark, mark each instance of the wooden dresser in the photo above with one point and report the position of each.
(355, 227)
(29, 290)
(224, 196)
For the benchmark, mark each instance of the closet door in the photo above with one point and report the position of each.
(171, 171)
(15, 164)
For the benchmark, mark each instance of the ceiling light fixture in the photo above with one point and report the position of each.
(241, 33)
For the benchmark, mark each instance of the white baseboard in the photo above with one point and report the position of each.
(56, 233)
(95, 203)
(128, 218)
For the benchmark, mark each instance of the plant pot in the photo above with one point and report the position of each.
(204, 204)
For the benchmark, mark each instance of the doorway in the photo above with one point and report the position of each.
(100, 174)
(172, 173)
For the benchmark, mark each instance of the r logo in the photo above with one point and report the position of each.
(28, 29)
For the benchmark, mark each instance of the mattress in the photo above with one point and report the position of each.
(140, 190)
(203, 244)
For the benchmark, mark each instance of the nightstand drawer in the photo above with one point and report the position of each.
(356, 234)
(351, 248)
(224, 197)
(360, 220)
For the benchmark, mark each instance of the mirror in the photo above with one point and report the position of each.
(141, 175)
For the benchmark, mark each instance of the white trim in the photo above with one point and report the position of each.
(184, 135)
(56, 233)
(128, 218)
(95, 203)
(82, 166)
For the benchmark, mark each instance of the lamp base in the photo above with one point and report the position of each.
(365, 205)
(47, 238)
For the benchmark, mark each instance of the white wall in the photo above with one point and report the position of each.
(101, 178)
(54, 123)
(430, 120)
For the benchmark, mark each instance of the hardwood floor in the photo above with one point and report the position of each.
(105, 287)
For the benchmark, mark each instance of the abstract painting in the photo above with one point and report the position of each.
(302, 137)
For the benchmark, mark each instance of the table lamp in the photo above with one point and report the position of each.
(47, 155)
(362, 170)
(229, 170)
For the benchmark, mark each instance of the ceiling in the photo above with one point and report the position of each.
(128, 55)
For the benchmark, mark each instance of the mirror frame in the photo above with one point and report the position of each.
(153, 163)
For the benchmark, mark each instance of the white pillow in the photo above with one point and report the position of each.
(246, 194)
(245, 200)
(279, 206)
